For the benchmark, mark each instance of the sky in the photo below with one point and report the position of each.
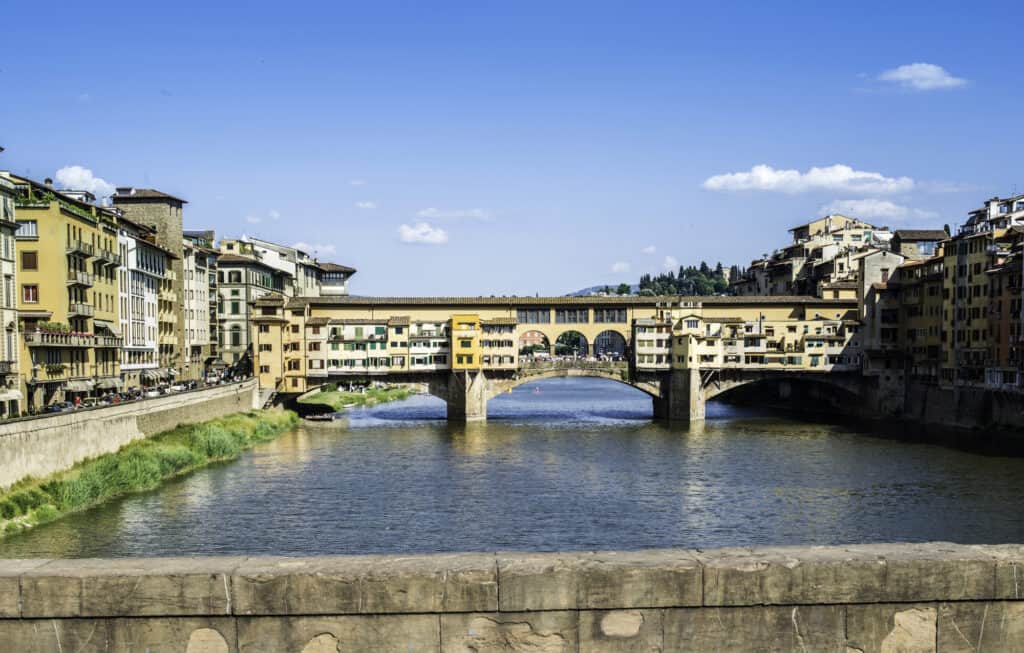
(494, 148)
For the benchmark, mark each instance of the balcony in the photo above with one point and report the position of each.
(107, 342)
(81, 248)
(54, 339)
(8, 367)
(109, 257)
(79, 278)
(76, 309)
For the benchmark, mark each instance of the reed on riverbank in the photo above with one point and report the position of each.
(137, 467)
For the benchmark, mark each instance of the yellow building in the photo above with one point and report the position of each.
(68, 294)
(466, 350)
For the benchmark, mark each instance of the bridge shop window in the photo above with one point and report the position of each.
(606, 315)
(533, 315)
(572, 315)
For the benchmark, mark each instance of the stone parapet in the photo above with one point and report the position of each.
(904, 597)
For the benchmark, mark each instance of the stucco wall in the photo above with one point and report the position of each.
(869, 598)
(41, 446)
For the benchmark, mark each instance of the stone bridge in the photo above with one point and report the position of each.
(676, 395)
(940, 597)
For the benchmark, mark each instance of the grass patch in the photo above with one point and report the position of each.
(137, 467)
(339, 400)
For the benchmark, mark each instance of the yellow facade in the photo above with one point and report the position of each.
(67, 295)
(466, 349)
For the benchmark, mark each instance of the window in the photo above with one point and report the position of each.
(266, 347)
(29, 261)
(235, 308)
(30, 293)
(691, 324)
(533, 315)
(264, 328)
(264, 369)
(27, 229)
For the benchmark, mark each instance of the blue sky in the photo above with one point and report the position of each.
(499, 148)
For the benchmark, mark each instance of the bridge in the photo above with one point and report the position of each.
(681, 351)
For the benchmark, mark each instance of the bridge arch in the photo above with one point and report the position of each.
(830, 386)
(533, 341)
(572, 343)
(501, 386)
(610, 343)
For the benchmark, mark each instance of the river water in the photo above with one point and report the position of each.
(562, 464)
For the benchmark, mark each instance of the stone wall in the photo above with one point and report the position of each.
(855, 599)
(42, 446)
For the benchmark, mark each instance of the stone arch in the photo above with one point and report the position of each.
(846, 385)
(206, 640)
(533, 340)
(651, 388)
(610, 342)
(572, 343)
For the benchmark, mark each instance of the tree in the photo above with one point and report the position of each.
(623, 289)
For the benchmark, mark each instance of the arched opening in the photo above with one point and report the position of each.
(807, 395)
(610, 345)
(572, 344)
(534, 344)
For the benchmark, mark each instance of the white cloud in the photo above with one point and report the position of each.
(922, 77)
(366, 205)
(256, 219)
(315, 248)
(867, 209)
(357, 182)
(274, 215)
(79, 178)
(422, 232)
(836, 177)
(252, 219)
(456, 214)
(671, 264)
(650, 249)
(620, 266)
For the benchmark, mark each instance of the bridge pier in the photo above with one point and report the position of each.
(466, 396)
(682, 397)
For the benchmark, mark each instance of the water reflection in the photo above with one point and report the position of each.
(577, 465)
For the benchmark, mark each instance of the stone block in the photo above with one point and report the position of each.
(55, 635)
(129, 587)
(10, 585)
(1009, 569)
(537, 632)
(366, 585)
(846, 574)
(603, 580)
(620, 631)
(981, 626)
(903, 628)
(407, 633)
(755, 628)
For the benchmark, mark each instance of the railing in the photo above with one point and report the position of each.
(110, 257)
(535, 366)
(76, 308)
(79, 247)
(109, 341)
(78, 277)
(50, 339)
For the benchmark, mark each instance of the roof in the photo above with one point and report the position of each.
(318, 321)
(334, 267)
(235, 258)
(127, 193)
(272, 299)
(921, 234)
(512, 302)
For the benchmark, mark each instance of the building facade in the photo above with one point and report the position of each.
(11, 399)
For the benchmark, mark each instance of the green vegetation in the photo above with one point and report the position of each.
(340, 399)
(700, 281)
(137, 467)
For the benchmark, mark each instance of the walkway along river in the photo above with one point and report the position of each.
(562, 464)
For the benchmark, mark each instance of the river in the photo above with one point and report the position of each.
(561, 464)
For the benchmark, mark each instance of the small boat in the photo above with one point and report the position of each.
(327, 417)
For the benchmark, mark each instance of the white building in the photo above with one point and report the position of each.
(10, 395)
(199, 307)
(144, 265)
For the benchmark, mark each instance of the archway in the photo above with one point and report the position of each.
(610, 344)
(572, 343)
(534, 343)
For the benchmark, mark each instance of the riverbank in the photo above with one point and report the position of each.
(137, 467)
(341, 400)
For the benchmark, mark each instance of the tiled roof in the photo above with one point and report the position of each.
(513, 302)
(399, 320)
(921, 234)
(129, 193)
(334, 267)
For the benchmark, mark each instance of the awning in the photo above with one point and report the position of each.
(78, 386)
(172, 372)
(103, 325)
(10, 395)
(108, 384)
(150, 375)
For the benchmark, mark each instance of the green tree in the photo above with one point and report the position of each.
(623, 289)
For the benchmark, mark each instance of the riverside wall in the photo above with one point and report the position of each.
(938, 598)
(42, 446)
(965, 407)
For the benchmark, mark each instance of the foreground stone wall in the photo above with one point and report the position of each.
(44, 445)
(874, 598)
